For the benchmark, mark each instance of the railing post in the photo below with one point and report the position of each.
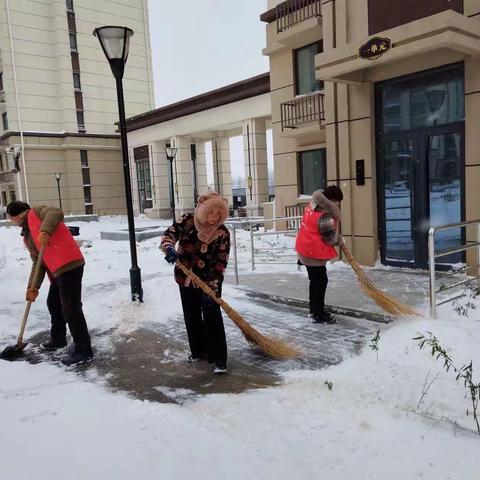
(431, 268)
(235, 256)
(478, 256)
(252, 245)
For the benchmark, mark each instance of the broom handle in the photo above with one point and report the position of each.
(199, 282)
(36, 273)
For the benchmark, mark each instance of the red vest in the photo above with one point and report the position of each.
(61, 250)
(309, 242)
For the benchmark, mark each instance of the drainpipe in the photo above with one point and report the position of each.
(7, 5)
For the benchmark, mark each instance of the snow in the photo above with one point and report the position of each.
(59, 423)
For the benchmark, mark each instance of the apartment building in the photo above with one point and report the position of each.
(58, 103)
(382, 99)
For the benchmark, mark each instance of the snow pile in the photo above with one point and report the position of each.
(400, 416)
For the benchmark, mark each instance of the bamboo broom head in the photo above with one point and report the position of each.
(389, 304)
(273, 347)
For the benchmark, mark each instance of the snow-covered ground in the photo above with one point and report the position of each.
(56, 423)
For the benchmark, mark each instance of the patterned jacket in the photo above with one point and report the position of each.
(207, 261)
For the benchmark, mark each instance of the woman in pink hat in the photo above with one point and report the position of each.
(204, 246)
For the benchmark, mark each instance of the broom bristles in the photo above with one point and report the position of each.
(272, 347)
(388, 303)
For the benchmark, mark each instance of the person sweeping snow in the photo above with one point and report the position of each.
(203, 246)
(315, 245)
(63, 262)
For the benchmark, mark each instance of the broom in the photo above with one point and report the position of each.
(390, 304)
(272, 347)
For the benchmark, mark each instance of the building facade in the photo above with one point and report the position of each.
(381, 99)
(58, 103)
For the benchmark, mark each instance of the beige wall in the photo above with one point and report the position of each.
(46, 156)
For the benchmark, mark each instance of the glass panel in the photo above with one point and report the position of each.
(305, 69)
(398, 180)
(444, 164)
(87, 194)
(86, 176)
(76, 81)
(313, 171)
(436, 99)
(73, 41)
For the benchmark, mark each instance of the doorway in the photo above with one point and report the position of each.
(420, 165)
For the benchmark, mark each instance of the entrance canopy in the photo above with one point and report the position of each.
(449, 34)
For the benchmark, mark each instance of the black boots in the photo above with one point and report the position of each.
(323, 318)
(54, 344)
(78, 354)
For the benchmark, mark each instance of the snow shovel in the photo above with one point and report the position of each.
(13, 351)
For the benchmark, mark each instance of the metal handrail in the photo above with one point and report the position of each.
(234, 224)
(433, 255)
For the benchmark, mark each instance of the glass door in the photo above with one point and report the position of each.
(397, 205)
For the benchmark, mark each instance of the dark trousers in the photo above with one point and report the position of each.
(64, 303)
(204, 323)
(318, 286)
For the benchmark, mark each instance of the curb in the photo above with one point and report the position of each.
(296, 302)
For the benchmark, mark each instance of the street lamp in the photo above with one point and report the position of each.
(115, 43)
(171, 152)
(58, 176)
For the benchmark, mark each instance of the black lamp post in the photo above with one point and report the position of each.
(58, 176)
(115, 43)
(171, 152)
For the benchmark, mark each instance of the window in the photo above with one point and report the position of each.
(84, 158)
(5, 121)
(73, 42)
(89, 209)
(70, 5)
(1, 82)
(76, 81)
(80, 121)
(312, 171)
(86, 176)
(305, 81)
(87, 194)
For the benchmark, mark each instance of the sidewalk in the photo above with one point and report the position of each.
(344, 294)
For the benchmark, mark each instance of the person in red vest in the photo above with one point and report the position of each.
(315, 245)
(63, 262)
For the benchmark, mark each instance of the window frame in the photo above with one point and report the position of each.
(74, 44)
(300, 160)
(321, 84)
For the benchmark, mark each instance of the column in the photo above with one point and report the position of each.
(183, 176)
(222, 169)
(256, 166)
(201, 167)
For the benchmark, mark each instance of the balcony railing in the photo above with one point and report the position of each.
(302, 110)
(294, 212)
(295, 11)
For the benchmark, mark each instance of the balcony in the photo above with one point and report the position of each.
(302, 110)
(295, 11)
(302, 119)
(293, 24)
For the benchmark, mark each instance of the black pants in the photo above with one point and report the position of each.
(318, 286)
(204, 323)
(64, 303)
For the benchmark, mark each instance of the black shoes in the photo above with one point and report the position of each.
(323, 318)
(78, 355)
(52, 344)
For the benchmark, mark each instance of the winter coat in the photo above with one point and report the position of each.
(208, 261)
(309, 242)
(61, 255)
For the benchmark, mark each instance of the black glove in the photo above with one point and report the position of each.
(171, 256)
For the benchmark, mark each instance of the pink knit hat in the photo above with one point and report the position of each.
(206, 203)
